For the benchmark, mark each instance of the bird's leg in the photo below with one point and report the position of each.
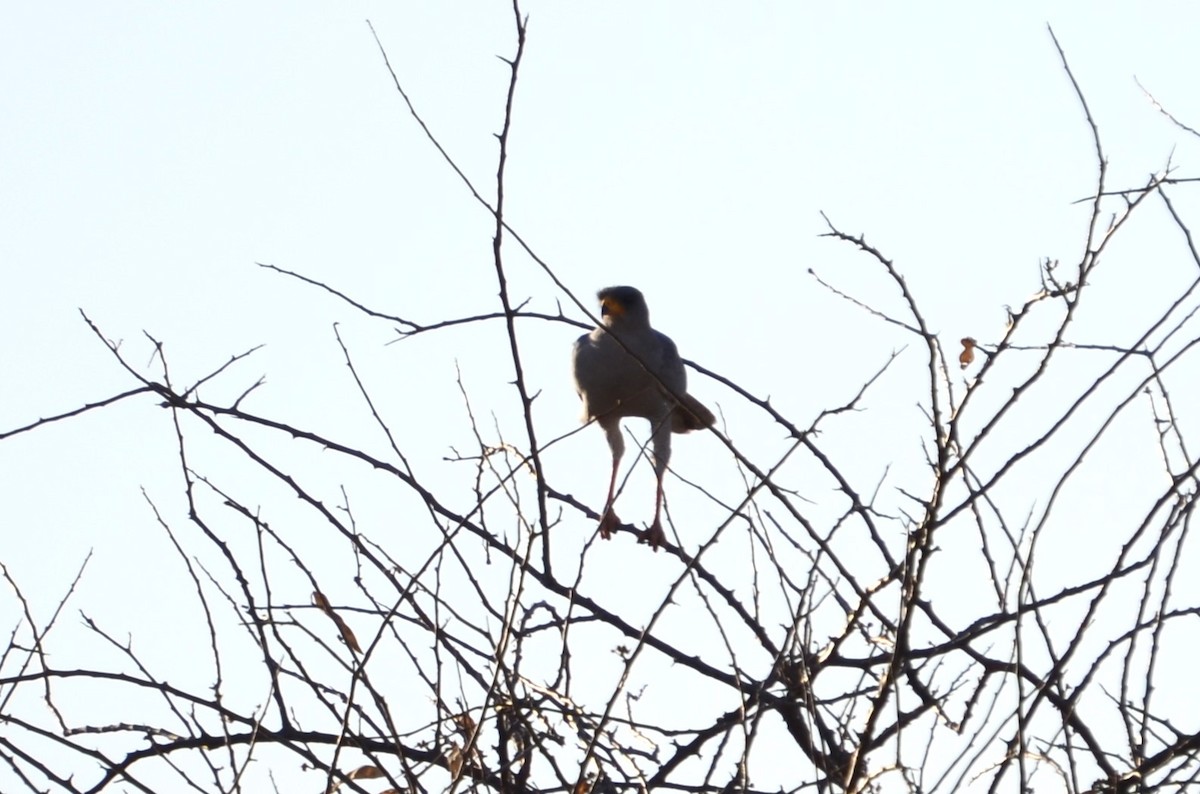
(662, 455)
(616, 444)
(654, 533)
(608, 517)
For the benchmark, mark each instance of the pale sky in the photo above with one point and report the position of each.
(151, 154)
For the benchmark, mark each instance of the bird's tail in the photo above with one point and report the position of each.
(691, 414)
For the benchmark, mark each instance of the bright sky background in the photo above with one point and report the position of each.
(152, 153)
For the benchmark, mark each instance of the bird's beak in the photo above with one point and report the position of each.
(610, 308)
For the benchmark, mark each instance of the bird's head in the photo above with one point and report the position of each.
(623, 307)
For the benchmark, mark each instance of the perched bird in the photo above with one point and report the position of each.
(626, 368)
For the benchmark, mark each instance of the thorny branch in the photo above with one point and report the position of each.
(845, 640)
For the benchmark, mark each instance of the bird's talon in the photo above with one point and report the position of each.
(653, 535)
(609, 523)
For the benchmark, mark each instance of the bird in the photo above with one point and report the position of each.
(625, 368)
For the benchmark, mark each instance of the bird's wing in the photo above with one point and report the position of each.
(692, 414)
(602, 375)
(579, 361)
(667, 365)
(584, 370)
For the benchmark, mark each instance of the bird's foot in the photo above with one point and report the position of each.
(609, 523)
(653, 535)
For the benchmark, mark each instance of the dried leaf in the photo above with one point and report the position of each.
(454, 760)
(465, 724)
(968, 353)
(362, 773)
(347, 635)
(365, 772)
